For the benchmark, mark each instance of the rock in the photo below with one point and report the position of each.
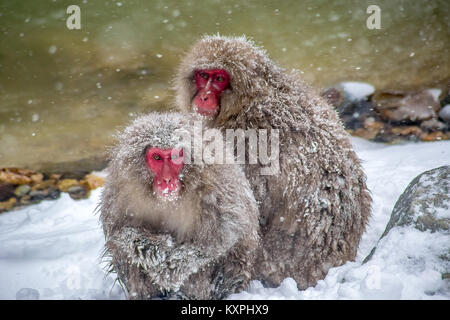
(397, 106)
(12, 176)
(78, 192)
(53, 194)
(27, 294)
(38, 195)
(22, 190)
(92, 182)
(433, 136)
(433, 125)
(424, 205)
(444, 113)
(55, 176)
(7, 205)
(6, 191)
(46, 184)
(407, 130)
(65, 184)
(445, 97)
(355, 114)
(36, 178)
(370, 130)
(25, 200)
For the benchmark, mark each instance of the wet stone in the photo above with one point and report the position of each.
(434, 136)
(7, 205)
(433, 125)
(444, 113)
(53, 194)
(407, 130)
(44, 185)
(38, 195)
(78, 192)
(405, 107)
(36, 178)
(10, 176)
(22, 190)
(65, 184)
(424, 205)
(92, 182)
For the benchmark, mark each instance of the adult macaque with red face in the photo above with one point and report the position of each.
(174, 229)
(210, 85)
(314, 211)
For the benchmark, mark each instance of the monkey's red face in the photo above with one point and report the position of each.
(210, 85)
(166, 165)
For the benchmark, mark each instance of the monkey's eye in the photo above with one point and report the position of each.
(156, 157)
(220, 79)
(204, 75)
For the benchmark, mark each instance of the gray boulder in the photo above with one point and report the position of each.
(424, 205)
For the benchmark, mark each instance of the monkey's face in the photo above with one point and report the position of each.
(166, 166)
(209, 86)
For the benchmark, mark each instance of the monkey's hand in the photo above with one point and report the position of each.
(141, 247)
(181, 261)
(167, 265)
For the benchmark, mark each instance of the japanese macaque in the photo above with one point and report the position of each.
(174, 229)
(314, 211)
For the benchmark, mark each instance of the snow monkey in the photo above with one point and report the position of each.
(314, 211)
(175, 229)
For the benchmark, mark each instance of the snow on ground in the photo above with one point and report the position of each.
(52, 249)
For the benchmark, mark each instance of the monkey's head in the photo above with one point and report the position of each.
(220, 75)
(150, 155)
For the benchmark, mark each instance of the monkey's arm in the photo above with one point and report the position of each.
(166, 264)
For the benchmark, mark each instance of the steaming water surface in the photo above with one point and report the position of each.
(63, 93)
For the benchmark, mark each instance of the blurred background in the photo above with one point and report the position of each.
(64, 93)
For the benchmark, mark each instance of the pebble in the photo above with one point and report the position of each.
(398, 106)
(78, 192)
(38, 195)
(7, 205)
(14, 192)
(444, 113)
(65, 184)
(22, 190)
(433, 125)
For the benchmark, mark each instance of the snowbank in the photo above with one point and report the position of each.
(53, 248)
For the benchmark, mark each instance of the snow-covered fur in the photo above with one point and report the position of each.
(314, 212)
(200, 245)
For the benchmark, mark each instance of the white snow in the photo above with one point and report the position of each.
(357, 90)
(53, 248)
(435, 93)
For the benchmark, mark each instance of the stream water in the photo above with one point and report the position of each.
(63, 93)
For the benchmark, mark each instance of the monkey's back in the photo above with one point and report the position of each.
(314, 212)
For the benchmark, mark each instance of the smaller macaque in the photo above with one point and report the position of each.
(174, 229)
